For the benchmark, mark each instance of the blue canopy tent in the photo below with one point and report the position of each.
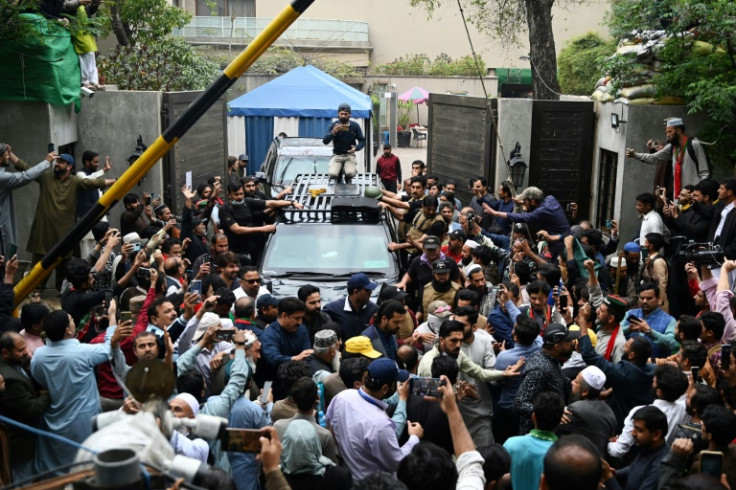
(305, 92)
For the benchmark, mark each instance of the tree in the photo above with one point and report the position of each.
(579, 63)
(698, 59)
(505, 20)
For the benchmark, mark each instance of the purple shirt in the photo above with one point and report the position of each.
(365, 435)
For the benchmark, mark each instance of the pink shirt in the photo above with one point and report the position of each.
(33, 342)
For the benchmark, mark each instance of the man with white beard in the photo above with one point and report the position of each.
(325, 358)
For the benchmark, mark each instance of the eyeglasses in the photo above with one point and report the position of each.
(253, 281)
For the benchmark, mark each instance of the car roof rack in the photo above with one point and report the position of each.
(325, 201)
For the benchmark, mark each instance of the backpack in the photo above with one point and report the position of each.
(694, 158)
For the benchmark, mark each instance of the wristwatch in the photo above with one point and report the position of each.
(239, 343)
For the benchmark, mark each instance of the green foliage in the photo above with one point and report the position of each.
(443, 65)
(404, 110)
(578, 63)
(698, 60)
(151, 19)
(168, 64)
(14, 26)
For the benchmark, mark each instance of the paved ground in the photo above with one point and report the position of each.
(408, 155)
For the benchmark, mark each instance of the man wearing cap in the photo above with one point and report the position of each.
(454, 248)
(56, 207)
(441, 287)
(235, 169)
(287, 338)
(543, 372)
(544, 212)
(163, 224)
(386, 323)
(427, 332)
(365, 434)
(587, 414)
(611, 339)
(388, 167)
(360, 346)
(8, 182)
(420, 273)
(325, 356)
(346, 138)
(354, 311)
(267, 310)
(681, 162)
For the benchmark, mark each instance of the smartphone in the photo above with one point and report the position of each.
(13, 249)
(136, 247)
(609, 224)
(725, 357)
(695, 370)
(266, 391)
(125, 316)
(145, 273)
(244, 440)
(425, 387)
(52, 148)
(147, 201)
(634, 318)
(196, 287)
(563, 301)
(711, 463)
(225, 335)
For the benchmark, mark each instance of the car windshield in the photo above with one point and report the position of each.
(289, 167)
(329, 249)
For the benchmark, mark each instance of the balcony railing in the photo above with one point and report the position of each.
(335, 33)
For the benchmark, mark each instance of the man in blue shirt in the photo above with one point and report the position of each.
(652, 323)
(527, 342)
(287, 338)
(543, 212)
(527, 452)
(347, 138)
(354, 311)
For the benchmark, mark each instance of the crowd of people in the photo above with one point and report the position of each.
(520, 349)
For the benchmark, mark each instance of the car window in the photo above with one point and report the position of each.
(289, 167)
(332, 249)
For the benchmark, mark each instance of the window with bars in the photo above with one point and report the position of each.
(606, 185)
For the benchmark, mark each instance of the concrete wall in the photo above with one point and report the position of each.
(28, 127)
(633, 177)
(514, 124)
(110, 123)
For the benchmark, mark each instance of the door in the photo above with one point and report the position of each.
(562, 151)
(203, 150)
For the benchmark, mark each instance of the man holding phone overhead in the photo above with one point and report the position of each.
(8, 182)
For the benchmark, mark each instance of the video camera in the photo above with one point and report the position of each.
(701, 253)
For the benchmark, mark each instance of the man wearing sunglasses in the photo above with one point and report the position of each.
(250, 283)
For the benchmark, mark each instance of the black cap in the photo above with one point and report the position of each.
(557, 332)
(441, 266)
(431, 243)
(392, 292)
(458, 235)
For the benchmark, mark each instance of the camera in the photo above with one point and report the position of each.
(87, 92)
(702, 253)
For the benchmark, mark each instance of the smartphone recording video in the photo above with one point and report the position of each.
(244, 440)
(425, 387)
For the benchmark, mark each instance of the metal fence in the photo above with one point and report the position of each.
(246, 28)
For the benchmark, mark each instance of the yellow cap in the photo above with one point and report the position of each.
(361, 345)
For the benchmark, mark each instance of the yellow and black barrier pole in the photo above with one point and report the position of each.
(162, 144)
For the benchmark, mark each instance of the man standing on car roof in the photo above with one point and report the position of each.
(347, 138)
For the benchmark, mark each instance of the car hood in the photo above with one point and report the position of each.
(330, 290)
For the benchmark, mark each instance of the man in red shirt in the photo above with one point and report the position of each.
(454, 248)
(388, 168)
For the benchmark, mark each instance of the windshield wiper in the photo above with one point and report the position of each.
(304, 273)
(369, 274)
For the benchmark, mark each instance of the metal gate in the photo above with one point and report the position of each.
(203, 150)
(460, 140)
(562, 151)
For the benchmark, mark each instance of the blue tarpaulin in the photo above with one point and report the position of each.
(303, 92)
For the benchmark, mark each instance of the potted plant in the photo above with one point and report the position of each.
(404, 136)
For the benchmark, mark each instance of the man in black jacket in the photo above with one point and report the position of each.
(22, 401)
(723, 227)
(695, 213)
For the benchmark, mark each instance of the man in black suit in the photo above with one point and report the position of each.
(723, 227)
(22, 401)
